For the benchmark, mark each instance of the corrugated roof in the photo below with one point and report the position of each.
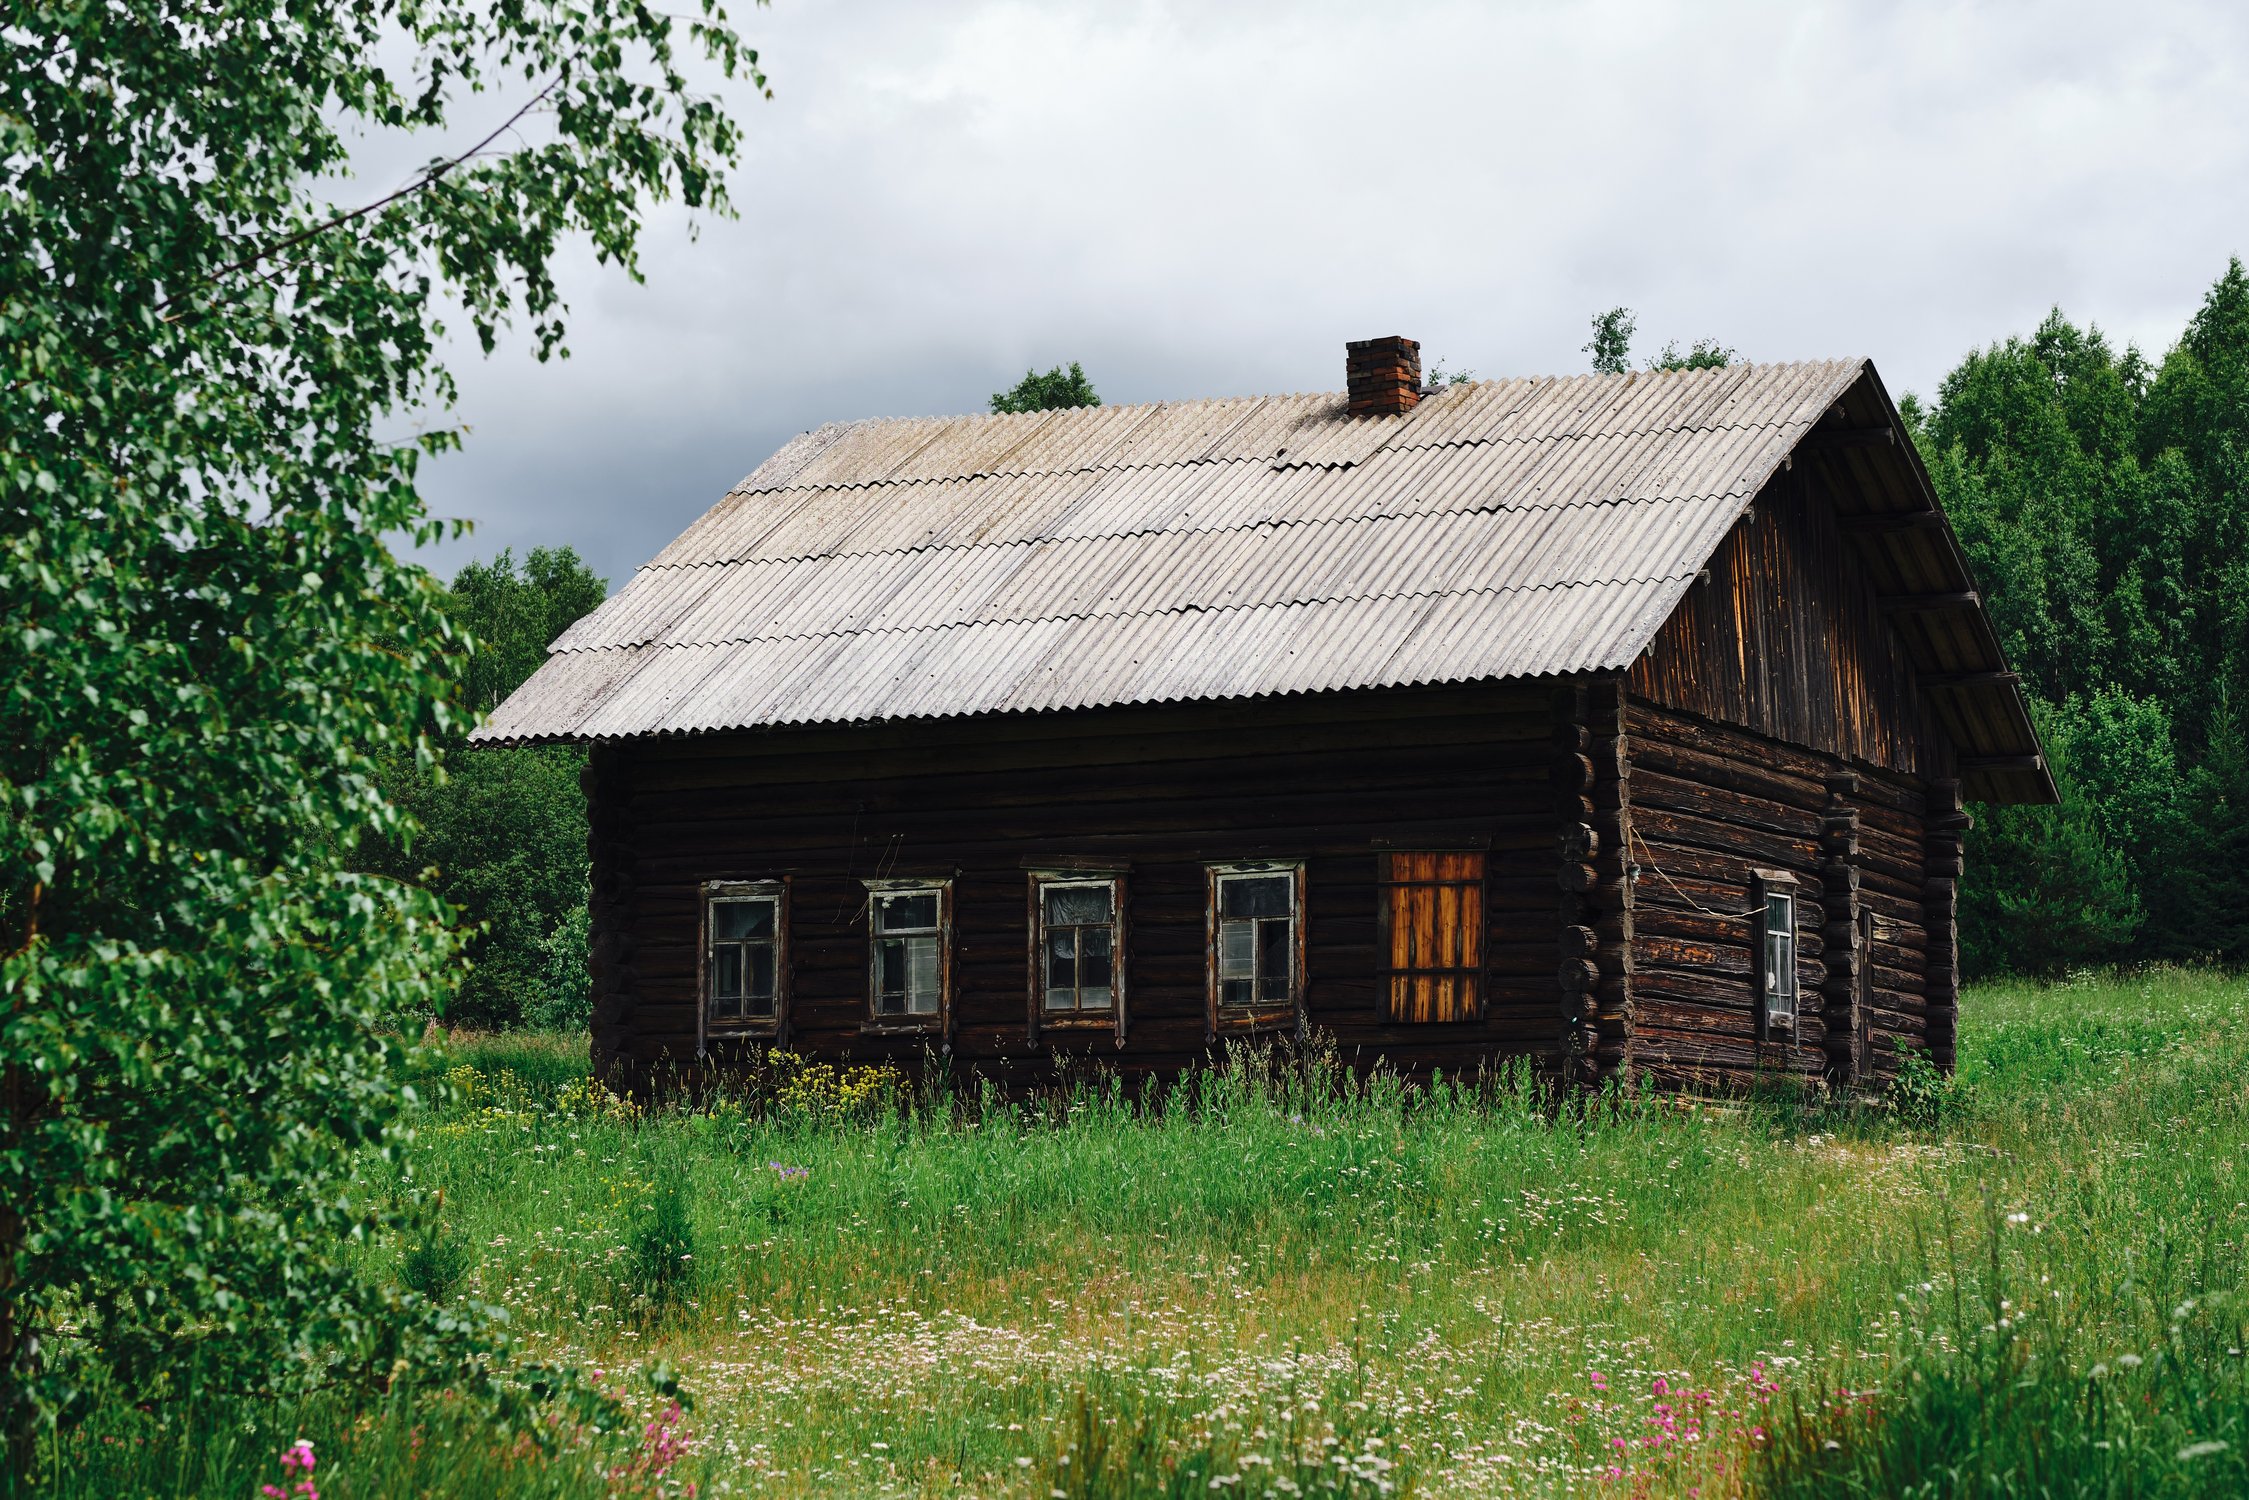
(935, 567)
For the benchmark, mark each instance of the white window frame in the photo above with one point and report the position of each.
(1779, 975)
(1111, 1016)
(712, 1026)
(1259, 1013)
(938, 1020)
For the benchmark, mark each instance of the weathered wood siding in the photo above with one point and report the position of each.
(1333, 780)
(1775, 724)
(1784, 637)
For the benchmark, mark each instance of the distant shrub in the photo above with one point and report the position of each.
(437, 1259)
(663, 1246)
(1922, 1094)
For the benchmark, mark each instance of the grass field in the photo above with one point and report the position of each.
(2031, 1287)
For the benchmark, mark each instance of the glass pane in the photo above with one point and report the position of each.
(1238, 992)
(1093, 957)
(732, 921)
(890, 976)
(903, 913)
(1081, 905)
(1259, 896)
(760, 991)
(921, 964)
(726, 973)
(1237, 946)
(1061, 997)
(1274, 961)
(1094, 997)
(1062, 958)
(1777, 914)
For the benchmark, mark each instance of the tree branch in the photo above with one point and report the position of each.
(423, 183)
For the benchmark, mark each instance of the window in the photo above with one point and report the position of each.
(1257, 965)
(1077, 948)
(1776, 963)
(1432, 917)
(745, 924)
(907, 959)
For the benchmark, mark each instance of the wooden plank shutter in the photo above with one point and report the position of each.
(1433, 936)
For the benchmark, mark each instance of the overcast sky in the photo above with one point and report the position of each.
(1199, 199)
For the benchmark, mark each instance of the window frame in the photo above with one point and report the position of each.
(1039, 881)
(1223, 1019)
(940, 1022)
(1476, 974)
(708, 1028)
(1768, 886)
(1862, 1000)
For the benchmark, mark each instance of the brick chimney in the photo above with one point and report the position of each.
(1384, 376)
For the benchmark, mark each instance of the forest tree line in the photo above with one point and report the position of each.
(2100, 497)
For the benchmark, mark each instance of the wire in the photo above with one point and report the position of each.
(1667, 880)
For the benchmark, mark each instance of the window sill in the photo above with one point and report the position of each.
(1078, 1021)
(925, 1026)
(740, 1031)
(1257, 1020)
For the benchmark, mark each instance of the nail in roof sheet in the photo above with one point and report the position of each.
(937, 567)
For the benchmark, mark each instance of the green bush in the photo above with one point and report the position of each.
(663, 1265)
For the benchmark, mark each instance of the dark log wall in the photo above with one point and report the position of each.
(1775, 723)
(1330, 780)
(1710, 805)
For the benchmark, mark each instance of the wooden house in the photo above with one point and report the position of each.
(1621, 721)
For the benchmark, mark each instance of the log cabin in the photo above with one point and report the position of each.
(1621, 722)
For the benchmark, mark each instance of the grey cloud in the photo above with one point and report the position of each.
(1200, 200)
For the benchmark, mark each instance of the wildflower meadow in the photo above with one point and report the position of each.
(1287, 1281)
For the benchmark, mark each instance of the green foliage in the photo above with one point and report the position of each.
(663, 1265)
(1611, 347)
(1611, 344)
(1056, 389)
(2050, 891)
(210, 645)
(563, 998)
(1920, 1093)
(1705, 354)
(501, 834)
(436, 1260)
(2104, 505)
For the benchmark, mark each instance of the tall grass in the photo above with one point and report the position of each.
(1256, 1281)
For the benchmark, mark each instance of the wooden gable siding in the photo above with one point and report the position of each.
(1784, 636)
(1712, 804)
(1333, 781)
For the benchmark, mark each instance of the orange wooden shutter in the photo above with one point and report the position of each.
(1433, 936)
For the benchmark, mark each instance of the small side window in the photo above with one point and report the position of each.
(906, 958)
(1776, 977)
(1256, 944)
(745, 958)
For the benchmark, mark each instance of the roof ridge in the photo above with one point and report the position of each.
(1628, 376)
